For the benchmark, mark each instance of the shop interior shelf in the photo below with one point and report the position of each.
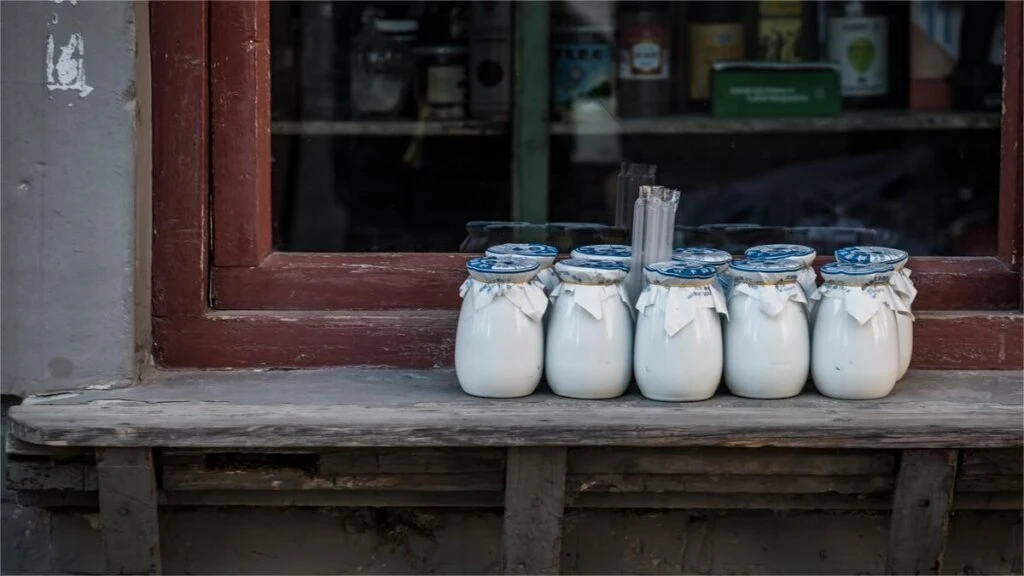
(388, 128)
(854, 121)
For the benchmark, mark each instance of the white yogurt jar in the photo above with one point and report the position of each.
(589, 347)
(855, 350)
(499, 343)
(720, 259)
(901, 283)
(542, 254)
(807, 279)
(677, 352)
(767, 342)
(620, 253)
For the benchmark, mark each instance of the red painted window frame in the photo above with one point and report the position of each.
(222, 298)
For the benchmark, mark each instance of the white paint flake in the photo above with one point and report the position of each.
(67, 71)
(72, 2)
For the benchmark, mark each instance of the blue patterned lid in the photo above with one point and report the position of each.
(752, 265)
(778, 251)
(501, 265)
(592, 265)
(712, 256)
(682, 270)
(871, 255)
(526, 249)
(603, 251)
(854, 269)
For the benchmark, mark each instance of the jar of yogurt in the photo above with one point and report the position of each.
(900, 282)
(502, 311)
(677, 352)
(807, 279)
(855, 350)
(767, 341)
(612, 253)
(542, 254)
(720, 259)
(589, 347)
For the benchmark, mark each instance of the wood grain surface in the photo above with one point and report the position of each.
(407, 408)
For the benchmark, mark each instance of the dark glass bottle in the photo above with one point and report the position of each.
(869, 42)
(715, 34)
(783, 31)
(645, 69)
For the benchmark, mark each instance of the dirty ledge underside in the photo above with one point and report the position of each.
(377, 407)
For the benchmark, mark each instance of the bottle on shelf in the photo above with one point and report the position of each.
(869, 42)
(716, 34)
(645, 68)
(783, 31)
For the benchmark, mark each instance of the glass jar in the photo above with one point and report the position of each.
(441, 81)
(677, 352)
(719, 259)
(611, 253)
(807, 279)
(382, 66)
(767, 341)
(476, 235)
(542, 254)
(589, 347)
(855, 349)
(901, 283)
(502, 310)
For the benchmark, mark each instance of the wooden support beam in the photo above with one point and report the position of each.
(128, 510)
(920, 511)
(534, 505)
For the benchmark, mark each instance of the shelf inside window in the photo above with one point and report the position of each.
(388, 128)
(859, 121)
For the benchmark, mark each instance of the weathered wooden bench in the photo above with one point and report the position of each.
(349, 437)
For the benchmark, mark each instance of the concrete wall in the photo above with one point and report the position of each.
(68, 171)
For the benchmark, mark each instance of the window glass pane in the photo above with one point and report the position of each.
(825, 123)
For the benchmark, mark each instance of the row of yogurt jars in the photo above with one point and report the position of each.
(678, 346)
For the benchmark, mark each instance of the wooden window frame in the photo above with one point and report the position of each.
(223, 299)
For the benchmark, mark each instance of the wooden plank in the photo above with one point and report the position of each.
(275, 498)
(326, 281)
(530, 112)
(49, 475)
(920, 517)
(365, 408)
(990, 483)
(968, 341)
(301, 281)
(534, 506)
(720, 501)
(857, 121)
(426, 339)
(1011, 170)
(736, 484)
(200, 478)
(1006, 461)
(396, 339)
(665, 500)
(16, 447)
(180, 157)
(240, 131)
(763, 461)
(128, 510)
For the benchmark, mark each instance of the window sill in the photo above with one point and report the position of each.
(348, 407)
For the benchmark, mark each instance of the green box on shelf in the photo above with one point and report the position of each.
(772, 90)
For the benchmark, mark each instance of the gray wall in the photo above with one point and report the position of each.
(67, 185)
